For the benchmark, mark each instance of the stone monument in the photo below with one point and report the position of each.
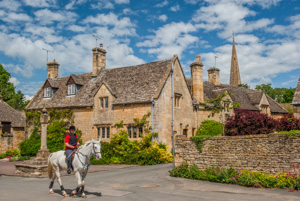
(37, 166)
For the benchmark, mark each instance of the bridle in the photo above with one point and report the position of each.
(86, 165)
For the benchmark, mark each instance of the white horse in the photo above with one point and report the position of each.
(81, 163)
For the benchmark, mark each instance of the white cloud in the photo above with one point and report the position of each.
(10, 5)
(163, 18)
(76, 28)
(162, 4)
(216, 17)
(122, 1)
(14, 80)
(175, 8)
(46, 16)
(16, 17)
(40, 3)
(170, 39)
(109, 19)
(70, 5)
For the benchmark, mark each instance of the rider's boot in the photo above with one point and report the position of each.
(69, 163)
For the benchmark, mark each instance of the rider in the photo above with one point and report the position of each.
(71, 142)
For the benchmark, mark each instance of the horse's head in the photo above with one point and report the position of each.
(97, 149)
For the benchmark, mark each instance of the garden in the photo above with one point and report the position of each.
(244, 123)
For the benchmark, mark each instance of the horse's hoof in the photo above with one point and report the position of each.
(51, 191)
(83, 196)
(66, 195)
(73, 193)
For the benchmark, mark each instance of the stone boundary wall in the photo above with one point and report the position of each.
(270, 153)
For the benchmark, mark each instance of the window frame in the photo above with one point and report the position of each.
(104, 102)
(71, 89)
(177, 101)
(47, 92)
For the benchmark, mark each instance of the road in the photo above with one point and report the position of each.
(136, 184)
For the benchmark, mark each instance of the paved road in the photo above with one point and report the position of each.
(137, 184)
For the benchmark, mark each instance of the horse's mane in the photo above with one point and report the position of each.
(87, 143)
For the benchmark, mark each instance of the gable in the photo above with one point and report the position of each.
(70, 81)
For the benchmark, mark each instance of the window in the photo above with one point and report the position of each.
(104, 102)
(135, 131)
(6, 127)
(226, 107)
(47, 92)
(71, 89)
(104, 132)
(264, 109)
(177, 100)
(107, 132)
(98, 132)
(185, 132)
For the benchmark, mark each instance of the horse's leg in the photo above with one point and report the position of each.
(60, 183)
(51, 183)
(80, 185)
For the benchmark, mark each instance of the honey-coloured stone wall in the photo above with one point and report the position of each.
(271, 153)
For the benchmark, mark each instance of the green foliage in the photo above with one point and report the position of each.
(245, 86)
(56, 135)
(281, 95)
(119, 125)
(33, 118)
(199, 141)
(291, 133)
(210, 128)
(7, 90)
(241, 177)
(121, 150)
(31, 146)
(59, 122)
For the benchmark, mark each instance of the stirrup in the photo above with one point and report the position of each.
(69, 171)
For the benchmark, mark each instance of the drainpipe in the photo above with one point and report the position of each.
(197, 118)
(152, 120)
(173, 140)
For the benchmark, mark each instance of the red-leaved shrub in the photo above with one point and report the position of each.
(246, 122)
(288, 122)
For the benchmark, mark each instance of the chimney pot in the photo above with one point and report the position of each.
(198, 58)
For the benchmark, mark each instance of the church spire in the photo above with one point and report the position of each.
(235, 78)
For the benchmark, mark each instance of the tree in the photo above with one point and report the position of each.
(281, 95)
(7, 90)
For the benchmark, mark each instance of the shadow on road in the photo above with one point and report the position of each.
(58, 192)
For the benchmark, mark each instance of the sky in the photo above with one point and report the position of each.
(266, 33)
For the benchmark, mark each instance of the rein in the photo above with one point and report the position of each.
(85, 165)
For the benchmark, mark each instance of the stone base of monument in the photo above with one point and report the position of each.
(37, 166)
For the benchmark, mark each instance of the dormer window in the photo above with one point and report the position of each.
(71, 89)
(104, 102)
(47, 92)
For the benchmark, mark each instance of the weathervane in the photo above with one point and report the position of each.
(47, 52)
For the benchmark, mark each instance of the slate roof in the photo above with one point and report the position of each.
(296, 98)
(247, 98)
(9, 114)
(131, 84)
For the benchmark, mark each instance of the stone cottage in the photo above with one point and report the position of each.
(103, 97)
(12, 127)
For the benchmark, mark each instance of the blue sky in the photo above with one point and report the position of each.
(267, 35)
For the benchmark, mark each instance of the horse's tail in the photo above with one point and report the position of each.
(50, 167)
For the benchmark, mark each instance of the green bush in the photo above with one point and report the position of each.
(241, 177)
(31, 146)
(123, 151)
(2, 156)
(210, 128)
(56, 133)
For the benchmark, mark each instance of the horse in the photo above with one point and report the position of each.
(81, 162)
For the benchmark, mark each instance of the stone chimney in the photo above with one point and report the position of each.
(53, 69)
(99, 59)
(197, 79)
(214, 75)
